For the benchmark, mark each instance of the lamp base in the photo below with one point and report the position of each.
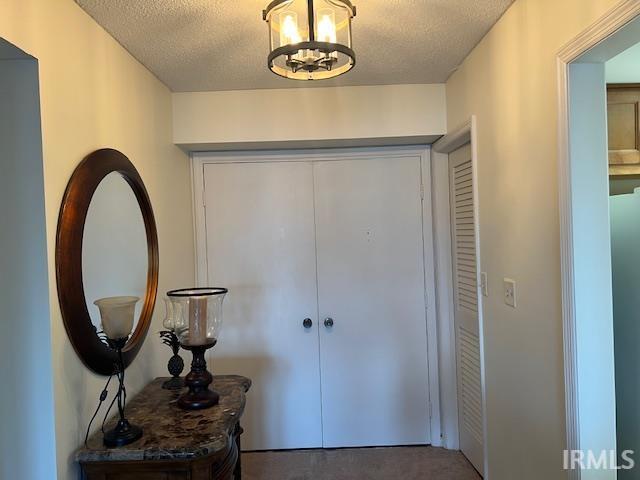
(198, 380)
(175, 383)
(198, 400)
(122, 435)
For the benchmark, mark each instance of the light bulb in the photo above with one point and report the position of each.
(289, 28)
(327, 26)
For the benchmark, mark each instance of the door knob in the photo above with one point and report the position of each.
(307, 323)
(328, 322)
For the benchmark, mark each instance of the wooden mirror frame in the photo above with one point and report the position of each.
(71, 222)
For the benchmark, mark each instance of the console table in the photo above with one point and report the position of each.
(177, 444)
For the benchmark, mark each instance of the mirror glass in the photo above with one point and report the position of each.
(114, 247)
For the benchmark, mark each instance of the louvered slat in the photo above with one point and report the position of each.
(465, 236)
(470, 369)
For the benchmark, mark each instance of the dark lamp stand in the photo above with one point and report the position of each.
(198, 380)
(124, 433)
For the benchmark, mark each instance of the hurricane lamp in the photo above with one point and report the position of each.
(197, 317)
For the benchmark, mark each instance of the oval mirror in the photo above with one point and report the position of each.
(106, 247)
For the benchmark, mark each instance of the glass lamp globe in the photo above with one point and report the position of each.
(169, 321)
(197, 315)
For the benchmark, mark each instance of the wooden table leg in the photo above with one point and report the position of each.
(237, 473)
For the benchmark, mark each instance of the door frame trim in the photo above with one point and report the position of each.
(466, 133)
(606, 26)
(200, 159)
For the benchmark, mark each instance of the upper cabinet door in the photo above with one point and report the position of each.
(260, 244)
(623, 101)
(371, 291)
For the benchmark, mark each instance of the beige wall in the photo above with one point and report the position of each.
(310, 117)
(94, 94)
(509, 82)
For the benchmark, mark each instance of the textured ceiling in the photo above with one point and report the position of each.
(201, 45)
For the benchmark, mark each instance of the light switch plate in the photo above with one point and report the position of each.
(510, 292)
(484, 287)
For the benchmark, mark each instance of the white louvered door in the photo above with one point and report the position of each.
(465, 280)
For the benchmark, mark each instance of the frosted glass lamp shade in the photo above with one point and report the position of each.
(197, 314)
(117, 315)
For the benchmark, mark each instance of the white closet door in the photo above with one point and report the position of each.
(261, 245)
(465, 280)
(371, 283)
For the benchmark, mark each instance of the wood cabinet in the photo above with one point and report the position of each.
(623, 103)
(220, 466)
(176, 444)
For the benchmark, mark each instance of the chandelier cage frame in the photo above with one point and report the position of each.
(310, 58)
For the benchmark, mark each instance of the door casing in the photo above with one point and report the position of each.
(580, 77)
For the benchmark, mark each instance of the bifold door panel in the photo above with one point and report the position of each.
(326, 308)
(261, 245)
(371, 283)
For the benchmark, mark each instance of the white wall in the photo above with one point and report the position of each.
(93, 94)
(26, 402)
(509, 81)
(625, 67)
(309, 117)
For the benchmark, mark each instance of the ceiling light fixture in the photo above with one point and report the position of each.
(310, 39)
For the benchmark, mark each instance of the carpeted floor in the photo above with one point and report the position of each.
(406, 463)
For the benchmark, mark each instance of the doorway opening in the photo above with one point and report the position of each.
(330, 249)
(591, 147)
(27, 405)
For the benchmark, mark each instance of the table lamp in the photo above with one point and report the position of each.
(117, 315)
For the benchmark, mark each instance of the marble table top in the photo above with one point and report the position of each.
(170, 433)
